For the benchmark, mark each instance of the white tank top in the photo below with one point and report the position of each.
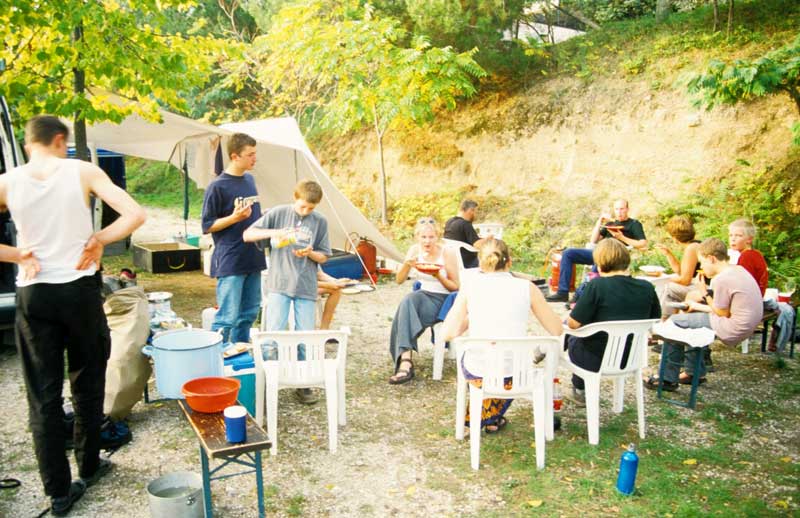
(428, 282)
(498, 305)
(52, 221)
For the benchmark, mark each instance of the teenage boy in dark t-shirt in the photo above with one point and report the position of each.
(230, 206)
(615, 295)
(626, 230)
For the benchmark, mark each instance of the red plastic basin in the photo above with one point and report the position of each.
(212, 394)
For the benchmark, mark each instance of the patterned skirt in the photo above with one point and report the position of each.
(493, 409)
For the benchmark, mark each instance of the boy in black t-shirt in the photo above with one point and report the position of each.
(615, 295)
(459, 228)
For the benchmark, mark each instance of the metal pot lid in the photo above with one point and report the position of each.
(159, 296)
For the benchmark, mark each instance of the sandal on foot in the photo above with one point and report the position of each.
(496, 427)
(652, 384)
(403, 375)
(685, 379)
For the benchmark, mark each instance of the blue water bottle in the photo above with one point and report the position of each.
(628, 465)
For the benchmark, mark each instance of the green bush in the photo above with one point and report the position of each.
(158, 184)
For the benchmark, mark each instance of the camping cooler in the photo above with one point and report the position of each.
(343, 264)
(242, 367)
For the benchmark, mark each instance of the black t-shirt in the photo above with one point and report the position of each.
(617, 297)
(631, 228)
(459, 229)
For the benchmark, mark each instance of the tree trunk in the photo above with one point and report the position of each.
(663, 9)
(715, 28)
(79, 126)
(379, 133)
(730, 18)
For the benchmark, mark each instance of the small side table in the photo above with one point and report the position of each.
(210, 430)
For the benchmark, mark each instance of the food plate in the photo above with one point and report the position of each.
(652, 270)
(364, 287)
(614, 227)
(351, 291)
(429, 268)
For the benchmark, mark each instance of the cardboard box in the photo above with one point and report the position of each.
(166, 257)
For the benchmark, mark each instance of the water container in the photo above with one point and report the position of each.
(558, 400)
(176, 495)
(207, 317)
(628, 465)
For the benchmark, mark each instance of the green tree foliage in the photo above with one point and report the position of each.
(609, 10)
(340, 64)
(111, 45)
(775, 72)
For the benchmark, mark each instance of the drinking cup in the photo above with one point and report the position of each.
(235, 423)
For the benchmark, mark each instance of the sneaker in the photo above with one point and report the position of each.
(577, 396)
(60, 506)
(558, 296)
(103, 468)
(306, 396)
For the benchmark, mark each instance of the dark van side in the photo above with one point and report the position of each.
(10, 157)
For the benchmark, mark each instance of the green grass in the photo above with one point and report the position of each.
(157, 184)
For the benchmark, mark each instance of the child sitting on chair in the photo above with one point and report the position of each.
(615, 295)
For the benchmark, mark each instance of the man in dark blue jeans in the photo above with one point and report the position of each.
(627, 230)
(230, 206)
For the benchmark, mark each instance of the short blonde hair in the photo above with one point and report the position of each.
(746, 225)
(493, 255)
(308, 190)
(681, 228)
(713, 247)
(611, 256)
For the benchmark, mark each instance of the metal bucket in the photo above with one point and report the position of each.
(176, 495)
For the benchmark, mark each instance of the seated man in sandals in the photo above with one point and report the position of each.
(732, 308)
(494, 303)
(419, 309)
(615, 295)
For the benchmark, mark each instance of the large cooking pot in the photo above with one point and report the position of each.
(182, 355)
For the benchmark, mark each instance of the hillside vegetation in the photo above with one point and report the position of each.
(606, 115)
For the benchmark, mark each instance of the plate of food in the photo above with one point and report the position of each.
(364, 287)
(652, 270)
(429, 268)
(615, 228)
(352, 290)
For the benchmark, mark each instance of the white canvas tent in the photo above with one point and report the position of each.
(283, 158)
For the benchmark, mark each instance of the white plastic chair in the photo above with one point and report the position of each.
(529, 381)
(618, 332)
(288, 372)
(455, 245)
(489, 229)
(439, 350)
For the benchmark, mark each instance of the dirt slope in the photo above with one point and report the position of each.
(610, 138)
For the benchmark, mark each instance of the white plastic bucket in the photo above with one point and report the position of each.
(182, 355)
(176, 495)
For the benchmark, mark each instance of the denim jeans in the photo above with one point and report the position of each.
(278, 306)
(674, 352)
(239, 299)
(570, 257)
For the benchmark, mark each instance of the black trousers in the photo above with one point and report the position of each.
(52, 319)
(589, 358)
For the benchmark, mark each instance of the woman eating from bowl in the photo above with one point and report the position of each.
(494, 303)
(682, 231)
(438, 276)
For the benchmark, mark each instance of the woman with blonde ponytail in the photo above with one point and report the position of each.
(492, 302)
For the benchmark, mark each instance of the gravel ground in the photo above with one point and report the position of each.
(397, 455)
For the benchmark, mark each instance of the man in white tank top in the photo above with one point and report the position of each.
(59, 306)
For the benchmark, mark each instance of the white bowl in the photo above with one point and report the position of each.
(652, 269)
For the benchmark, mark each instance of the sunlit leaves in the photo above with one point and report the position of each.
(122, 49)
(728, 83)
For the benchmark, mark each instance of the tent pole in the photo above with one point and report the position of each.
(338, 219)
(185, 195)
